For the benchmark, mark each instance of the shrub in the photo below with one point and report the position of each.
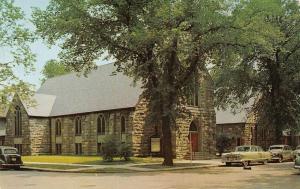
(109, 148)
(125, 151)
(223, 143)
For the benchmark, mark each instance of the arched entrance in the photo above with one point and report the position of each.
(193, 137)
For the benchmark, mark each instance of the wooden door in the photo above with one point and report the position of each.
(194, 141)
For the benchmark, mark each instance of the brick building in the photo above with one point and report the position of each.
(73, 114)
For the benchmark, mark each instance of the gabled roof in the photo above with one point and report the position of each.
(42, 106)
(227, 116)
(99, 91)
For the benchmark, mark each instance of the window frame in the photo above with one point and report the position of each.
(78, 126)
(101, 125)
(123, 125)
(18, 121)
(58, 127)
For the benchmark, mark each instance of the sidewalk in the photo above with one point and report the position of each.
(143, 167)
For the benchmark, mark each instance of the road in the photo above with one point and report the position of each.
(273, 175)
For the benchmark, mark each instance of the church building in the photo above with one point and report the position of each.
(72, 115)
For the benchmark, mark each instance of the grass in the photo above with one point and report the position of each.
(50, 166)
(87, 160)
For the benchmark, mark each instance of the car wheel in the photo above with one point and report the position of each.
(246, 163)
(265, 162)
(228, 164)
(17, 168)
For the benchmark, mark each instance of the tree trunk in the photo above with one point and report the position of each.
(167, 141)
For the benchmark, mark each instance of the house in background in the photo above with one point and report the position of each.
(237, 126)
(73, 115)
(243, 129)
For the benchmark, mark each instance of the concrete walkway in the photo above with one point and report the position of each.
(142, 167)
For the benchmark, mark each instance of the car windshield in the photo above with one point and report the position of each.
(242, 149)
(10, 151)
(275, 148)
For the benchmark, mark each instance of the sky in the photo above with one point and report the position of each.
(41, 49)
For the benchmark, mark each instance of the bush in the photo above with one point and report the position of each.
(223, 143)
(109, 148)
(112, 147)
(125, 151)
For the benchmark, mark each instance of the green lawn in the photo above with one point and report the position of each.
(86, 160)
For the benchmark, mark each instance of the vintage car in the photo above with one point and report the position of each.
(9, 158)
(281, 153)
(297, 161)
(246, 155)
(296, 151)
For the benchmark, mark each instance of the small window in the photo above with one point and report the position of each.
(123, 125)
(99, 148)
(18, 121)
(58, 148)
(78, 148)
(193, 98)
(78, 126)
(19, 148)
(58, 127)
(101, 125)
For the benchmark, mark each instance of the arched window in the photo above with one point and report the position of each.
(77, 126)
(101, 125)
(58, 127)
(193, 127)
(123, 125)
(18, 121)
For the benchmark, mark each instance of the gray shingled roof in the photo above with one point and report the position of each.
(227, 116)
(43, 105)
(99, 91)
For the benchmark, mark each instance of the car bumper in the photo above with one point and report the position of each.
(11, 165)
(232, 161)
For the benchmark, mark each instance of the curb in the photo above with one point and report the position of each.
(129, 169)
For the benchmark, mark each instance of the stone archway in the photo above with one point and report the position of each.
(193, 137)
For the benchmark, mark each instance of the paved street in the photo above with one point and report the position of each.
(273, 176)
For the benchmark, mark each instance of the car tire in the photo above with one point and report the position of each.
(17, 168)
(228, 164)
(265, 162)
(246, 163)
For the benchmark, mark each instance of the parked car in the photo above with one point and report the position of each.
(297, 161)
(296, 151)
(9, 158)
(281, 153)
(245, 155)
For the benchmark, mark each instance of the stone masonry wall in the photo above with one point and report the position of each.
(39, 135)
(11, 139)
(89, 137)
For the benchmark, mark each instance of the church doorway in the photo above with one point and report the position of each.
(193, 137)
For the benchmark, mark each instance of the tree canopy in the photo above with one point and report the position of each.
(15, 51)
(166, 45)
(52, 69)
(264, 66)
(163, 44)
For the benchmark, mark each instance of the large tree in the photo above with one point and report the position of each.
(16, 56)
(163, 44)
(52, 69)
(265, 65)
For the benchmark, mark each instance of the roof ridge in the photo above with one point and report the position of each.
(73, 73)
